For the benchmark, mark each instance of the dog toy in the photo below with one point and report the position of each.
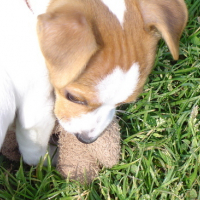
(76, 160)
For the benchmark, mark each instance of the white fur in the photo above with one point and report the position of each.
(38, 6)
(24, 84)
(118, 8)
(7, 105)
(92, 123)
(118, 85)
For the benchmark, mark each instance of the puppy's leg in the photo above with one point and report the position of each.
(33, 142)
(7, 105)
(34, 126)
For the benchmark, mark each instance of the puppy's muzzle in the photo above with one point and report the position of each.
(84, 138)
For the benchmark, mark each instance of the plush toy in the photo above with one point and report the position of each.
(76, 160)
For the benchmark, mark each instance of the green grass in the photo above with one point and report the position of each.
(160, 139)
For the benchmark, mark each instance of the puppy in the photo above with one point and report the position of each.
(95, 55)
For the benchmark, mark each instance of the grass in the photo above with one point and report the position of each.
(160, 139)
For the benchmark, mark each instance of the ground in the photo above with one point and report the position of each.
(160, 139)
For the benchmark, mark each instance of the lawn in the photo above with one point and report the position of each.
(160, 156)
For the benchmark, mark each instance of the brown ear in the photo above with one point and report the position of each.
(67, 43)
(169, 17)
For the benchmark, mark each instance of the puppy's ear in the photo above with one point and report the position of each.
(168, 17)
(67, 43)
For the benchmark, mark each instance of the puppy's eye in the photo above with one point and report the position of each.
(74, 99)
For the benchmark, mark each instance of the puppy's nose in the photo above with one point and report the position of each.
(84, 138)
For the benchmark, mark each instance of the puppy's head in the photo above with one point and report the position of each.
(96, 63)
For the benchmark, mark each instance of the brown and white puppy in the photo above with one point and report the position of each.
(100, 52)
(97, 54)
